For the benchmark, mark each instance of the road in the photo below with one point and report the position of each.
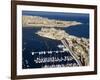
(65, 43)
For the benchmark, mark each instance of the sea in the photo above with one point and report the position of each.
(33, 43)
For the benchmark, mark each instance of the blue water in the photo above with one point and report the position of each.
(33, 43)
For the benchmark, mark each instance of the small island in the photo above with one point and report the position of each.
(37, 21)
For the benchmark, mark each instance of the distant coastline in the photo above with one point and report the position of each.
(37, 21)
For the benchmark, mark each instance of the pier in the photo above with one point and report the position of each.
(49, 52)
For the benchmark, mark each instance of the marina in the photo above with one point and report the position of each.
(77, 47)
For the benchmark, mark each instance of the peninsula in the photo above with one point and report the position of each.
(78, 47)
(37, 21)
